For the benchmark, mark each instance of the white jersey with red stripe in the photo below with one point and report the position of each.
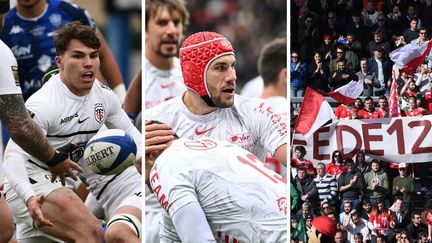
(9, 81)
(279, 105)
(162, 85)
(243, 201)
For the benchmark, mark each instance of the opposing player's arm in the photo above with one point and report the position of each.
(192, 214)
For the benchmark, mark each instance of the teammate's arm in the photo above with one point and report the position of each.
(110, 70)
(132, 102)
(192, 215)
(29, 137)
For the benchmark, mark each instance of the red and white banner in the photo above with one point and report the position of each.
(409, 57)
(314, 112)
(393, 101)
(348, 93)
(399, 139)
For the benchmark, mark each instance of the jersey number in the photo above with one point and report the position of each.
(252, 161)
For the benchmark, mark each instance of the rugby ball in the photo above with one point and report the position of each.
(110, 152)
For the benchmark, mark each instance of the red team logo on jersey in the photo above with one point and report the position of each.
(282, 204)
(99, 112)
(200, 145)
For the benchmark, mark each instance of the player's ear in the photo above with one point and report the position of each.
(58, 60)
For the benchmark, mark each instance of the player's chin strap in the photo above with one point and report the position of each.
(128, 219)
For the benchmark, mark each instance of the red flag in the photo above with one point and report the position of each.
(393, 101)
(410, 56)
(314, 112)
(348, 93)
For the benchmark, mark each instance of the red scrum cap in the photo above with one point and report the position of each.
(196, 54)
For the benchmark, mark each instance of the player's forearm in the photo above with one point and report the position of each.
(22, 129)
(132, 102)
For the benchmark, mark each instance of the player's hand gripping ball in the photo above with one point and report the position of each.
(110, 152)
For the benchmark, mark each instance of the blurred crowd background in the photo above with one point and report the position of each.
(248, 25)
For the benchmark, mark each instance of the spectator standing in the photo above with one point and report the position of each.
(382, 106)
(356, 225)
(403, 186)
(366, 209)
(361, 165)
(377, 183)
(306, 188)
(336, 166)
(326, 185)
(351, 184)
(381, 67)
(381, 220)
(341, 53)
(318, 74)
(378, 42)
(401, 216)
(300, 161)
(411, 33)
(298, 75)
(368, 78)
(308, 37)
(342, 75)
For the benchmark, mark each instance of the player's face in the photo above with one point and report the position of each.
(221, 81)
(78, 67)
(164, 33)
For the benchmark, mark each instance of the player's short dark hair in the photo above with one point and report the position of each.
(272, 60)
(75, 31)
(152, 6)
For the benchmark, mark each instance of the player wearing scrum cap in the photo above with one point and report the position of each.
(210, 107)
(77, 108)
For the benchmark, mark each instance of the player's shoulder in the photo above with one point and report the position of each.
(172, 105)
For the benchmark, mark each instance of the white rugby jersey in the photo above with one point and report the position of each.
(241, 198)
(248, 124)
(9, 81)
(65, 117)
(279, 105)
(162, 85)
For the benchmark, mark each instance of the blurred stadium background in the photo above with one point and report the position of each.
(248, 24)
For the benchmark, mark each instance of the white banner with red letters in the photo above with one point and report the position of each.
(398, 139)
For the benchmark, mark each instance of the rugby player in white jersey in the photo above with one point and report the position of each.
(207, 108)
(164, 25)
(214, 191)
(70, 108)
(272, 66)
(21, 128)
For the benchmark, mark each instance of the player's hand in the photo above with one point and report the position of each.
(34, 204)
(65, 168)
(156, 136)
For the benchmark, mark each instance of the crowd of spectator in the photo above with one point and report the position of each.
(332, 43)
(368, 200)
